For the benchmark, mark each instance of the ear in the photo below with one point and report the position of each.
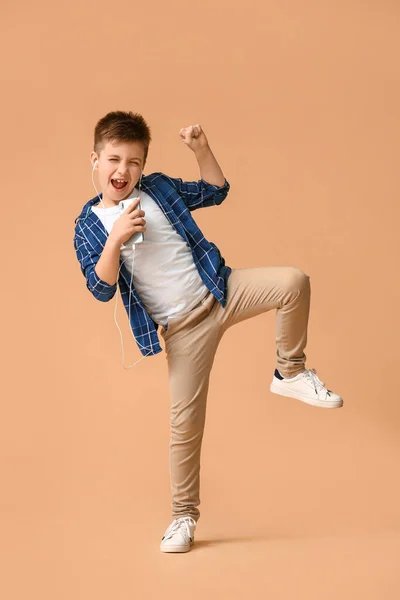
(94, 159)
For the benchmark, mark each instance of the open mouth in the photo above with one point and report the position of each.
(119, 184)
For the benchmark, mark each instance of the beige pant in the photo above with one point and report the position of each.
(191, 343)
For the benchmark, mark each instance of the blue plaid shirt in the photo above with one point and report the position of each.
(177, 199)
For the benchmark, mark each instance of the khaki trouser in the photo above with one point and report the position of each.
(191, 343)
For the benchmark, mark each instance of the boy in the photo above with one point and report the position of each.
(181, 284)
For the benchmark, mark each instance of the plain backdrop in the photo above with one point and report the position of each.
(300, 103)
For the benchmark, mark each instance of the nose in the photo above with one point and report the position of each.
(122, 169)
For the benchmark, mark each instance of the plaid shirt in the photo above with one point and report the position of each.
(177, 199)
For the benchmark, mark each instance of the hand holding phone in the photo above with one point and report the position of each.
(129, 227)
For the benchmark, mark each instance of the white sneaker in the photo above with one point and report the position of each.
(307, 387)
(179, 536)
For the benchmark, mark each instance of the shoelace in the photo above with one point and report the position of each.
(180, 524)
(312, 377)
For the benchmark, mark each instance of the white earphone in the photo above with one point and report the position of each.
(130, 286)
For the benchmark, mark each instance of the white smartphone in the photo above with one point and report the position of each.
(137, 237)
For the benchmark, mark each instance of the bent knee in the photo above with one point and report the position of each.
(297, 279)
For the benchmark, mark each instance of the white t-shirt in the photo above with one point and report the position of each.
(164, 273)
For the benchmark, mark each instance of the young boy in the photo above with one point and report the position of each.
(182, 285)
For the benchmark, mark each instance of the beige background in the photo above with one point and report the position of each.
(300, 102)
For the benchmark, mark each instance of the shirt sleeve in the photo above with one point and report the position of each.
(199, 194)
(88, 259)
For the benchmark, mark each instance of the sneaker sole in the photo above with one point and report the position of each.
(175, 548)
(320, 403)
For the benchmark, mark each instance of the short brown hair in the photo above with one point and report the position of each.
(120, 126)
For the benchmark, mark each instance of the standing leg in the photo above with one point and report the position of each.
(191, 344)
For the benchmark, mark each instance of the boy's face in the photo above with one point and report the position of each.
(119, 160)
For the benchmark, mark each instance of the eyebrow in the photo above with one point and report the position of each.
(116, 156)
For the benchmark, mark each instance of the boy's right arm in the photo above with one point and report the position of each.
(108, 263)
(130, 222)
(101, 271)
(89, 260)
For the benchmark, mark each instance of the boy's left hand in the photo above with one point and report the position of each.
(194, 137)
